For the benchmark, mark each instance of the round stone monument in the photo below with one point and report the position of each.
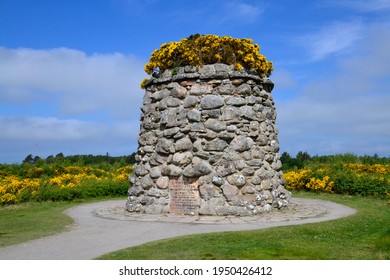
(208, 142)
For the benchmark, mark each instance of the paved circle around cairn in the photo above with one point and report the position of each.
(298, 210)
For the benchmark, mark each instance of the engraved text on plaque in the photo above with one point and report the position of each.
(184, 197)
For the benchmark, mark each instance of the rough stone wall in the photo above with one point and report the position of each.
(208, 145)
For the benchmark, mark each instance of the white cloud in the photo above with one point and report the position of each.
(362, 5)
(217, 14)
(46, 136)
(331, 39)
(283, 79)
(63, 100)
(83, 83)
(51, 128)
(347, 110)
(38, 128)
(240, 12)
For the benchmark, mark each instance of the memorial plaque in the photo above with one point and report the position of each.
(184, 197)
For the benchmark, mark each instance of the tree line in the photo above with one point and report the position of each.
(289, 162)
(82, 160)
(303, 159)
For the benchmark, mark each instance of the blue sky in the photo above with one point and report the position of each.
(70, 70)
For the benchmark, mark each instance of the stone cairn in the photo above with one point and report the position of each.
(208, 145)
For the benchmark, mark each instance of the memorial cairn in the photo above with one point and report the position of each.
(208, 142)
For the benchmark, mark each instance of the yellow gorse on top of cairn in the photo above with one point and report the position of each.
(198, 50)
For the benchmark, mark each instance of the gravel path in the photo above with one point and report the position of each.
(104, 227)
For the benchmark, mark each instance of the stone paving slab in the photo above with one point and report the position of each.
(297, 210)
(104, 227)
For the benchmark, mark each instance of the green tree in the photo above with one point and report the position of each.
(29, 159)
(50, 159)
(36, 159)
(303, 156)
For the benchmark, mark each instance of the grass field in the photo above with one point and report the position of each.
(20, 223)
(365, 235)
(27, 221)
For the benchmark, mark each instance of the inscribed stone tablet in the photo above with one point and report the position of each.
(184, 197)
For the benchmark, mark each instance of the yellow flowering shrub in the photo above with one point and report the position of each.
(144, 82)
(298, 179)
(323, 184)
(302, 179)
(123, 173)
(199, 50)
(367, 168)
(16, 188)
(8, 198)
(71, 180)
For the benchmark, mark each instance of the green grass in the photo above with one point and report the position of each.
(24, 222)
(365, 235)
(27, 221)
